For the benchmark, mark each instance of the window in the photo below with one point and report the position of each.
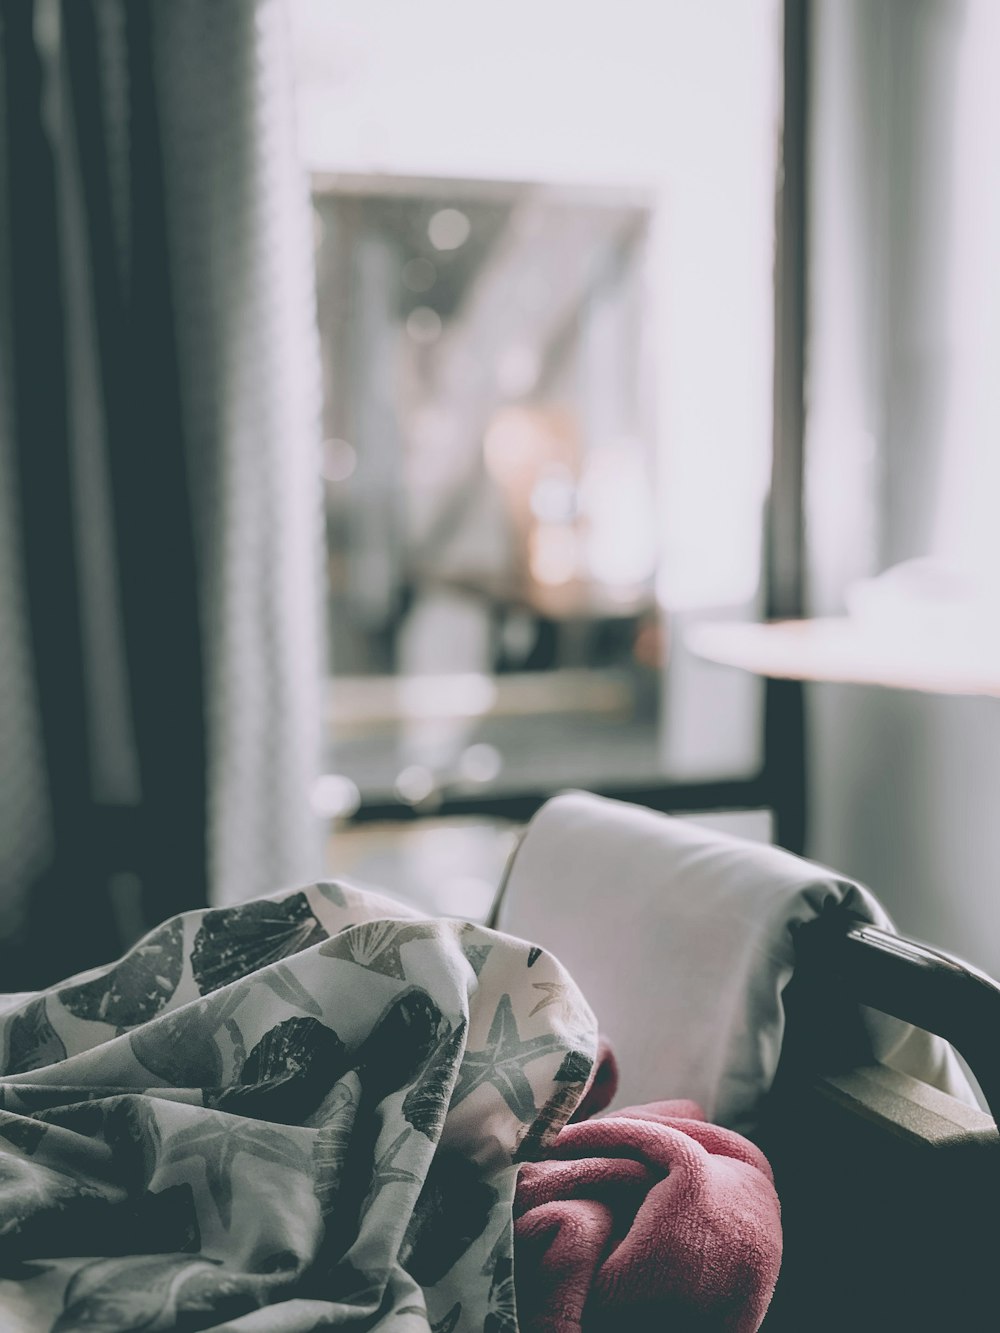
(544, 266)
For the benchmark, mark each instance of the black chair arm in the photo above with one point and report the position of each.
(912, 982)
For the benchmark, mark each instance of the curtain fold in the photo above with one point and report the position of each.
(150, 495)
(40, 482)
(161, 551)
(242, 239)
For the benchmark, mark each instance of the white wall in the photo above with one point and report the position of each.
(904, 437)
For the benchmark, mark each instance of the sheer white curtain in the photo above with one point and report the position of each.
(241, 228)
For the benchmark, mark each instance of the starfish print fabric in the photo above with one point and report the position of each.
(302, 1112)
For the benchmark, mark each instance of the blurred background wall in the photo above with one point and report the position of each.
(903, 443)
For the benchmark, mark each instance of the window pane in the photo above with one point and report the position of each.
(544, 291)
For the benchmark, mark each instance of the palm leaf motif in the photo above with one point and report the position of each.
(447, 1324)
(387, 1171)
(21, 1131)
(28, 1188)
(180, 1048)
(151, 1292)
(286, 985)
(426, 1104)
(400, 1044)
(501, 1316)
(133, 1135)
(333, 893)
(332, 1142)
(44, 1211)
(364, 1289)
(376, 945)
(451, 1212)
(212, 1141)
(136, 988)
(287, 1074)
(32, 1042)
(291, 1049)
(544, 1129)
(84, 1117)
(571, 1076)
(165, 1222)
(575, 1068)
(501, 1249)
(232, 942)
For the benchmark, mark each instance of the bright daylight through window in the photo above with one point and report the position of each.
(544, 239)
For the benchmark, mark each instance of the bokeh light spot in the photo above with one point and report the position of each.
(419, 275)
(339, 460)
(448, 229)
(423, 325)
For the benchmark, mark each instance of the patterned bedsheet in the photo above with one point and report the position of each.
(302, 1112)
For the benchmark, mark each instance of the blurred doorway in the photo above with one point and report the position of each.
(491, 485)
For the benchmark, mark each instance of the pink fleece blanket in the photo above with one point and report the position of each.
(646, 1218)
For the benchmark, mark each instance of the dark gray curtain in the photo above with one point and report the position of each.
(160, 501)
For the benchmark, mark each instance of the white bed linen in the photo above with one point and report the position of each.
(682, 939)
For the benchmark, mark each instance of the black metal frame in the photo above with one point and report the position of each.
(888, 1188)
(910, 981)
(785, 568)
(750, 793)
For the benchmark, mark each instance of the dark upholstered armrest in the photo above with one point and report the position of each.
(911, 981)
(890, 1189)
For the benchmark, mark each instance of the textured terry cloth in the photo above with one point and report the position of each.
(682, 939)
(298, 1112)
(646, 1218)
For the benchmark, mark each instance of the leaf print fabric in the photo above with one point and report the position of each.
(300, 1112)
(30, 1039)
(138, 987)
(426, 1103)
(235, 941)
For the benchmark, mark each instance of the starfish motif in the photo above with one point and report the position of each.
(502, 1063)
(554, 993)
(218, 1147)
(386, 1171)
(386, 1168)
